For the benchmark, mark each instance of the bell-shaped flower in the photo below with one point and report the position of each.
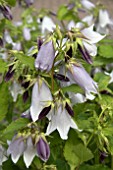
(3, 155)
(30, 152)
(15, 90)
(104, 21)
(41, 95)
(47, 25)
(90, 39)
(43, 149)
(86, 20)
(83, 79)
(16, 148)
(87, 4)
(29, 2)
(26, 34)
(60, 120)
(45, 57)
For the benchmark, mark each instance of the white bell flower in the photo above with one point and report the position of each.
(60, 120)
(41, 94)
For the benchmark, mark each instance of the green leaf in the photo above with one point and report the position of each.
(72, 88)
(4, 96)
(13, 127)
(102, 80)
(75, 152)
(94, 167)
(2, 66)
(27, 60)
(106, 51)
(11, 2)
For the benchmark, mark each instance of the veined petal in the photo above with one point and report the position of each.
(16, 149)
(29, 153)
(91, 48)
(47, 25)
(104, 18)
(40, 95)
(61, 121)
(92, 36)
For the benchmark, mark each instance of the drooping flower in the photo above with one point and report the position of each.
(83, 79)
(103, 22)
(16, 148)
(47, 25)
(29, 2)
(43, 149)
(15, 90)
(45, 57)
(26, 34)
(41, 95)
(29, 152)
(6, 11)
(87, 4)
(3, 155)
(90, 39)
(60, 120)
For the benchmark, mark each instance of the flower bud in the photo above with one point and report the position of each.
(69, 109)
(43, 149)
(85, 54)
(44, 112)
(6, 12)
(45, 57)
(10, 73)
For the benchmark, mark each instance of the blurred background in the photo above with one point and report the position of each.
(54, 4)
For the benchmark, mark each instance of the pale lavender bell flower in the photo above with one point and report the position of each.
(83, 79)
(43, 149)
(16, 148)
(45, 57)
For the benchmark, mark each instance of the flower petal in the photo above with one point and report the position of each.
(29, 153)
(91, 48)
(92, 36)
(40, 95)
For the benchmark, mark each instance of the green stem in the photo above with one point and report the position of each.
(111, 162)
(52, 79)
(91, 136)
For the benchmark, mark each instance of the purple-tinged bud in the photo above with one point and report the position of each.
(6, 12)
(9, 74)
(69, 109)
(71, 6)
(45, 57)
(1, 42)
(43, 149)
(29, 2)
(25, 96)
(70, 52)
(103, 155)
(85, 54)
(26, 114)
(61, 77)
(44, 112)
(39, 43)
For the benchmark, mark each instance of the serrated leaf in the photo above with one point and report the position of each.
(11, 2)
(106, 51)
(13, 127)
(27, 60)
(75, 152)
(4, 95)
(2, 66)
(102, 80)
(72, 88)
